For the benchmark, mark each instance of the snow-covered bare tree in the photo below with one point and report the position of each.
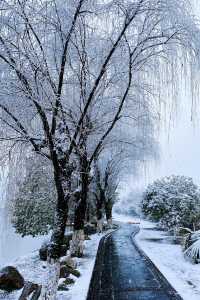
(42, 100)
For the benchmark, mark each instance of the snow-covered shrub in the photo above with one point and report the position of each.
(34, 205)
(173, 202)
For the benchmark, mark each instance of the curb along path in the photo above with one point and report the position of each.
(123, 272)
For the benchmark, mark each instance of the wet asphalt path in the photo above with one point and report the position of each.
(123, 272)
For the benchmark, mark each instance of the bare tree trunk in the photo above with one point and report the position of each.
(62, 177)
(108, 210)
(61, 216)
(99, 211)
(87, 216)
(49, 291)
(80, 212)
(76, 247)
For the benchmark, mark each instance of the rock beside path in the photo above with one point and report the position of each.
(10, 279)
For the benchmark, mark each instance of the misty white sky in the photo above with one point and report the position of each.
(180, 147)
(179, 151)
(179, 144)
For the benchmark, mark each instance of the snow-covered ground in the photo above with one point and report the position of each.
(78, 291)
(31, 268)
(183, 276)
(34, 270)
(12, 245)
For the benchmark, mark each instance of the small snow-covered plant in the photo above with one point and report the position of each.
(173, 202)
(193, 252)
(192, 246)
(189, 236)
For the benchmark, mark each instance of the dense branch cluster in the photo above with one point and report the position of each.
(75, 81)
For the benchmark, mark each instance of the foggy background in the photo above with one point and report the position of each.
(179, 142)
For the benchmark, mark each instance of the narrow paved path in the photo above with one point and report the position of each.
(123, 272)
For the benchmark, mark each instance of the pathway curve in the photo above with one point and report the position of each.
(123, 272)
